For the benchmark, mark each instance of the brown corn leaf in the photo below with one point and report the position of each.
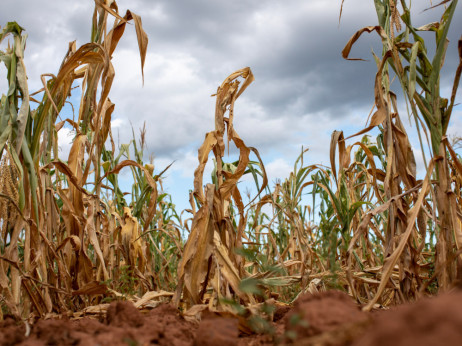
(148, 296)
(131, 241)
(193, 267)
(341, 10)
(439, 4)
(91, 231)
(107, 110)
(203, 155)
(142, 38)
(231, 181)
(337, 139)
(194, 313)
(109, 9)
(382, 107)
(228, 269)
(346, 50)
(66, 170)
(391, 261)
(84, 268)
(151, 180)
(373, 170)
(23, 114)
(152, 207)
(92, 288)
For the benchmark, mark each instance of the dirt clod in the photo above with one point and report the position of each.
(318, 313)
(217, 331)
(280, 312)
(10, 332)
(430, 321)
(124, 313)
(328, 318)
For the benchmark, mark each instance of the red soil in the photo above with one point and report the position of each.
(431, 321)
(328, 318)
(316, 314)
(220, 331)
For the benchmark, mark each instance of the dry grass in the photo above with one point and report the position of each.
(72, 240)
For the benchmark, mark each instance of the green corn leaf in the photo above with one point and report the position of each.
(412, 69)
(29, 163)
(441, 45)
(5, 134)
(11, 28)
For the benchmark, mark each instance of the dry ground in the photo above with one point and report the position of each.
(327, 318)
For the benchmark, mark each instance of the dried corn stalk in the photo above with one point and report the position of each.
(209, 257)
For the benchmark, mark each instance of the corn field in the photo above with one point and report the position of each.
(72, 239)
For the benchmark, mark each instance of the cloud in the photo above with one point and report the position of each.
(175, 102)
(65, 137)
(278, 169)
(455, 127)
(303, 89)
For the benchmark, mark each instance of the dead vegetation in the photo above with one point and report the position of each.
(71, 240)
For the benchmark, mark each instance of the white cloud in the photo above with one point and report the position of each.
(302, 92)
(174, 101)
(117, 123)
(455, 125)
(278, 169)
(65, 137)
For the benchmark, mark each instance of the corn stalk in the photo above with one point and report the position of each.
(209, 256)
(406, 229)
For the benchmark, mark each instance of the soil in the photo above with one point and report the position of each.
(327, 318)
(430, 321)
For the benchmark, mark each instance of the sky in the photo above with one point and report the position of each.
(303, 88)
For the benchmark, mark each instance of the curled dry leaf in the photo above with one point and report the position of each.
(209, 251)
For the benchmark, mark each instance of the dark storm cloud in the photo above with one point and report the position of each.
(202, 23)
(293, 47)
